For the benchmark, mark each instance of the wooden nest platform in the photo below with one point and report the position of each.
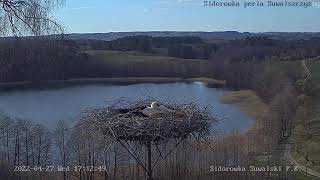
(149, 124)
(126, 121)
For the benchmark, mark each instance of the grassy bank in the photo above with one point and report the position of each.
(249, 103)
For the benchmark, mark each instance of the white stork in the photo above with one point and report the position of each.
(155, 108)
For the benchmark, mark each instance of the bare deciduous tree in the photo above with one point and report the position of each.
(61, 135)
(28, 17)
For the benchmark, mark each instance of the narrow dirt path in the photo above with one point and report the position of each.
(300, 167)
(287, 153)
(306, 69)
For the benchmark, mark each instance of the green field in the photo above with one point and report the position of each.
(122, 58)
(139, 64)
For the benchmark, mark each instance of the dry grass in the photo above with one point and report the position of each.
(253, 137)
(249, 103)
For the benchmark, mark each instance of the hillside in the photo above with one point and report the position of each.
(222, 35)
(140, 64)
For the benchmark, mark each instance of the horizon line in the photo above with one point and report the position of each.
(191, 32)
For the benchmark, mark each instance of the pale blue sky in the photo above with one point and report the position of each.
(80, 16)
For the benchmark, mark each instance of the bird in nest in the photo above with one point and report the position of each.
(155, 109)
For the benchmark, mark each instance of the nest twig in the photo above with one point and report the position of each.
(124, 121)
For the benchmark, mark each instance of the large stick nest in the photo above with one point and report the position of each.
(125, 121)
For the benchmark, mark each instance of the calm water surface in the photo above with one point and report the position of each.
(50, 105)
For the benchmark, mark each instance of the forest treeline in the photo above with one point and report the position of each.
(25, 146)
(250, 48)
(34, 60)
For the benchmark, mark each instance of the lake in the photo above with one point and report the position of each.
(48, 106)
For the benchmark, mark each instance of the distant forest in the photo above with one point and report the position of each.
(189, 47)
(34, 60)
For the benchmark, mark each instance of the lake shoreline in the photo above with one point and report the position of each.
(116, 80)
(248, 102)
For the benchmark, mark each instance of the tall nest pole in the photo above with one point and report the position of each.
(125, 122)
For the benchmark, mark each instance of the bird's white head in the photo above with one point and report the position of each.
(154, 104)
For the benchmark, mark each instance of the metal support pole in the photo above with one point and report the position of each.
(149, 161)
